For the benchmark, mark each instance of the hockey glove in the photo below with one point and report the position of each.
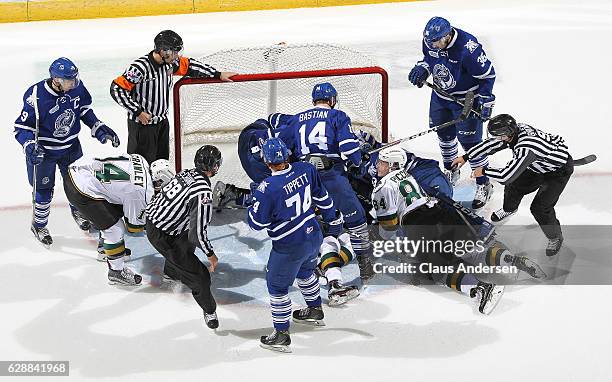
(358, 171)
(484, 105)
(418, 75)
(35, 154)
(103, 133)
(334, 228)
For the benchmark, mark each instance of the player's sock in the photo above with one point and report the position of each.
(41, 214)
(280, 305)
(449, 151)
(461, 282)
(310, 290)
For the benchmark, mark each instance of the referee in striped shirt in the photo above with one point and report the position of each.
(177, 219)
(540, 162)
(144, 91)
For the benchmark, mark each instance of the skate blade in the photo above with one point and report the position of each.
(310, 322)
(343, 299)
(123, 283)
(494, 299)
(277, 348)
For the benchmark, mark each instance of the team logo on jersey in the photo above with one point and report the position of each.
(443, 77)
(471, 46)
(64, 123)
(64, 102)
(30, 100)
(262, 186)
(133, 75)
(482, 59)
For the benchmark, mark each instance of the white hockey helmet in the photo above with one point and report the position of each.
(395, 156)
(161, 173)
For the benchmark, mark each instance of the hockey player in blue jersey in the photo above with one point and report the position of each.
(458, 64)
(322, 136)
(284, 205)
(251, 160)
(61, 102)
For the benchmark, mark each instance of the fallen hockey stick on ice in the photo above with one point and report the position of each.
(455, 99)
(586, 160)
(467, 107)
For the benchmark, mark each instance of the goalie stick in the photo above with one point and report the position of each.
(467, 108)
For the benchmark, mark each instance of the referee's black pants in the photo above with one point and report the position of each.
(549, 187)
(184, 265)
(151, 141)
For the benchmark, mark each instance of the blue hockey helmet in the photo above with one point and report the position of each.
(274, 151)
(436, 28)
(66, 72)
(324, 91)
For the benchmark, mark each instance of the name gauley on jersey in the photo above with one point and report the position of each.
(313, 114)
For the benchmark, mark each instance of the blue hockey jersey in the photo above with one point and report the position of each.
(60, 116)
(463, 66)
(284, 205)
(323, 131)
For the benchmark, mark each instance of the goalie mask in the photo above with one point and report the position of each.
(161, 173)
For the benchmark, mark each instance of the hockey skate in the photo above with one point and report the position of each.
(453, 176)
(525, 264)
(366, 269)
(212, 321)
(339, 294)
(482, 196)
(123, 277)
(554, 245)
(500, 216)
(83, 223)
(42, 235)
(278, 341)
(223, 194)
(309, 316)
(487, 295)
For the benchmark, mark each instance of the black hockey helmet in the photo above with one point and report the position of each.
(208, 158)
(168, 40)
(502, 124)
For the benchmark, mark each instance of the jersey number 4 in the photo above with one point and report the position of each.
(110, 172)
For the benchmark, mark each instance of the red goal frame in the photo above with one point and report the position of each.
(279, 76)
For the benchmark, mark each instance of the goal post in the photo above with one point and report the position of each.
(277, 78)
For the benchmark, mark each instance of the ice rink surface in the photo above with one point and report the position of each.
(551, 59)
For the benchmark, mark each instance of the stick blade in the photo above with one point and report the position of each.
(586, 160)
(467, 105)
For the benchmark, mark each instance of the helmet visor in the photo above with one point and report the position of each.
(68, 84)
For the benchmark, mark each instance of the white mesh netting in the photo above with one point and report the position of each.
(215, 113)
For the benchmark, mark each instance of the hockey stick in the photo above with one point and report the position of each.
(467, 107)
(586, 160)
(34, 170)
(455, 99)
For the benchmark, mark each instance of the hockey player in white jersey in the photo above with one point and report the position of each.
(400, 203)
(334, 254)
(106, 190)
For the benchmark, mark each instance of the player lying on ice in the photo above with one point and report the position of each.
(402, 205)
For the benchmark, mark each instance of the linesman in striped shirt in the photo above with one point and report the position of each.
(177, 219)
(540, 162)
(144, 91)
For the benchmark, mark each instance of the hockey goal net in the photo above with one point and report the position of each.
(276, 78)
